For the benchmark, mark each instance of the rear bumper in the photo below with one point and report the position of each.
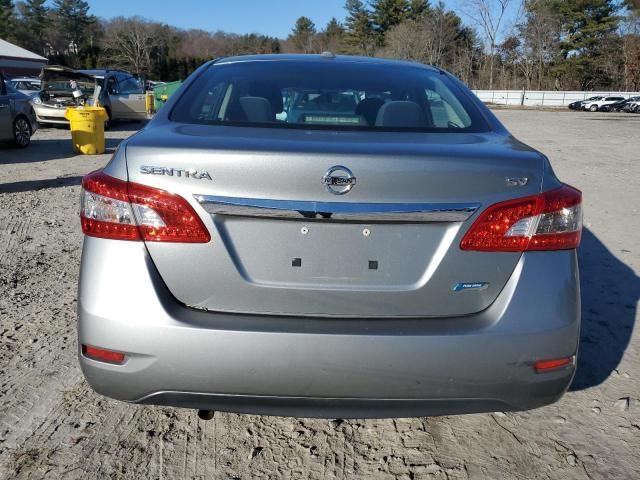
(326, 367)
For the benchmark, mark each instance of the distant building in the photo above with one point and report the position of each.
(16, 61)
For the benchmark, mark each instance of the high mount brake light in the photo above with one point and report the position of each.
(548, 221)
(119, 210)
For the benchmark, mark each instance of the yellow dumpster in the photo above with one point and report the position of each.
(87, 129)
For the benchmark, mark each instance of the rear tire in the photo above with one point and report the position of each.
(21, 132)
(593, 108)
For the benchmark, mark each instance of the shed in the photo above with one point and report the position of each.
(16, 61)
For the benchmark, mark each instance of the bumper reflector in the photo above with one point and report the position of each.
(108, 356)
(552, 364)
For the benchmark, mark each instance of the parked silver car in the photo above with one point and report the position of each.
(27, 85)
(384, 263)
(17, 119)
(120, 94)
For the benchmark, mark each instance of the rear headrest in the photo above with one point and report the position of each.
(257, 109)
(369, 108)
(400, 114)
(271, 92)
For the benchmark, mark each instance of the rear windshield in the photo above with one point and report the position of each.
(331, 95)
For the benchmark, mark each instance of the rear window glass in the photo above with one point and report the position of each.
(331, 95)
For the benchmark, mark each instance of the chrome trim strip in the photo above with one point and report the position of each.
(337, 211)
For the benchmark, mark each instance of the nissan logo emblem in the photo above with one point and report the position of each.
(339, 180)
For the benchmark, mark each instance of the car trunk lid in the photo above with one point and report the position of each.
(283, 243)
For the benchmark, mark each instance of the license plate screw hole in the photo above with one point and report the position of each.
(304, 230)
(366, 232)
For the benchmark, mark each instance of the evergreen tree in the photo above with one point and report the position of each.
(303, 34)
(417, 9)
(7, 20)
(359, 26)
(74, 22)
(333, 28)
(34, 21)
(330, 39)
(587, 28)
(388, 13)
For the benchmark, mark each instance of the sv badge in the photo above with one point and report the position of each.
(516, 181)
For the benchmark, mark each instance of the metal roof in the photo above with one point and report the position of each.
(10, 50)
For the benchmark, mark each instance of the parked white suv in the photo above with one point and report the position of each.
(595, 106)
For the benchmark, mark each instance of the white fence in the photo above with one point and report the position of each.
(539, 98)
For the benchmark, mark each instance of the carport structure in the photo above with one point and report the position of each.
(16, 61)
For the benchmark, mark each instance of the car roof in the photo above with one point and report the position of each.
(323, 57)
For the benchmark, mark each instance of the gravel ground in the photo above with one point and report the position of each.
(53, 426)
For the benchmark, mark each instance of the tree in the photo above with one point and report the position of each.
(417, 8)
(588, 28)
(388, 13)
(34, 21)
(425, 40)
(631, 48)
(73, 23)
(129, 43)
(303, 34)
(540, 40)
(488, 16)
(359, 27)
(330, 39)
(7, 19)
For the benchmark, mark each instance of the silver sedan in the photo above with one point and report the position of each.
(17, 118)
(380, 247)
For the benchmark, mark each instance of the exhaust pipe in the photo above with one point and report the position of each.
(206, 414)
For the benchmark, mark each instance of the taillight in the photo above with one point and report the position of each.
(119, 210)
(548, 221)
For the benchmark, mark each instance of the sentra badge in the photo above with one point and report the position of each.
(176, 172)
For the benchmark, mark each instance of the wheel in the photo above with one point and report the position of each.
(21, 132)
(593, 108)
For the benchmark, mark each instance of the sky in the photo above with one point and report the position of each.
(269, 17)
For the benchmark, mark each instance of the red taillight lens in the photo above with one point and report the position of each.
(119, 210)
(553, 364)
(102, 355)
(548, 221)
(105, 208)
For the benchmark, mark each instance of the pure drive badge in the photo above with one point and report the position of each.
(458, 287)
(176, 172)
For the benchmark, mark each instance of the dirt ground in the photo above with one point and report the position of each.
(53, 426)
